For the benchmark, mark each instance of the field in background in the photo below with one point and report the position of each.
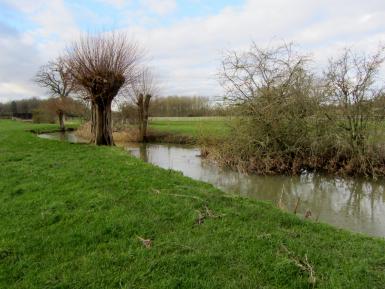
(219, 126)
(191, 126)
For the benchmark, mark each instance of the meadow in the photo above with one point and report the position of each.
(82, 216)
(195, 127)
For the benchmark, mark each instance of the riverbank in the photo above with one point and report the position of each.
(81, 216)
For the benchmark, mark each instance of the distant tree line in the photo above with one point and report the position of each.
(42, 110)
(182, 106)
(176, 106)
(19, 108)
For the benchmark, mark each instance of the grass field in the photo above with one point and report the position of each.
(218, 127)
(71, 216)
(191, 126)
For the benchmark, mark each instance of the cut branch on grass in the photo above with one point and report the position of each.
(146, 242)
(177, 195)
(206, 213)
(302, 263)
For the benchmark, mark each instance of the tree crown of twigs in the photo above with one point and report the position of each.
(100, 65)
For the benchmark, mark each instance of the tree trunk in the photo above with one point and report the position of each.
(146, 106)
(93, 121)
(60, 114)
(140, 117)
(103, 128)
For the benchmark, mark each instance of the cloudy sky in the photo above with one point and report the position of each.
(184, 39)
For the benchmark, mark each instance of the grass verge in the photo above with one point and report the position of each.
(81, 216)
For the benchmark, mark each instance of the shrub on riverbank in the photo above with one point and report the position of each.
(288, 120)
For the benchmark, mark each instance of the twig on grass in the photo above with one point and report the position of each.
(177, 195)
(303, 264)
(146, 242)
(206, 213)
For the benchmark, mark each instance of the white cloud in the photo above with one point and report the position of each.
(161, 7)
(186, 54)
(24, 52)
(116, 3)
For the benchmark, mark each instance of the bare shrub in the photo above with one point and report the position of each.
(275, 98)
(351, 88)
(288, 121)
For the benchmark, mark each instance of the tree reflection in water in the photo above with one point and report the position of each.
(355, 204)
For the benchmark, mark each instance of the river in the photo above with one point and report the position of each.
(355, 204)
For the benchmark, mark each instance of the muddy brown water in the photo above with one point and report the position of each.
(354, 204)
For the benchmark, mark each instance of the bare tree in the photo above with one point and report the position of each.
(55, 77)
(246, 76)
(271, 90)
(352, 85)
(100, 66)
(281, 105)
(140, 93)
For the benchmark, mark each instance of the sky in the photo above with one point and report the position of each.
(184, 40)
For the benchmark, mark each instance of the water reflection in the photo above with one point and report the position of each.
(355, 204)
(63, 136)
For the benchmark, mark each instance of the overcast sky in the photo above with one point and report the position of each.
(183, 38)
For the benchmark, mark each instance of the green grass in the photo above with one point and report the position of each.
(218, 127)
(70, 217)
(191, 126)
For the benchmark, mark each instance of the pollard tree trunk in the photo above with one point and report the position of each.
(103, 127)
(146, 106)
(140, 117)
(93, 121)
(60, 114)
(143, 104)
(143, 132)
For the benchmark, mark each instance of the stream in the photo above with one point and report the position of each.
(352, 203)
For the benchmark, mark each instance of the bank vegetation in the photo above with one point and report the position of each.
(289, 119)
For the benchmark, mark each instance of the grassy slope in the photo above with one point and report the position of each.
(70, 216)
